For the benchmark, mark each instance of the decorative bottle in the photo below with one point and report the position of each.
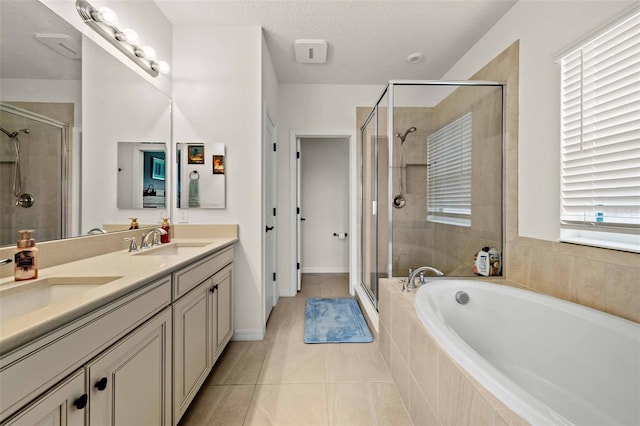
(26, 257)
(167, 227)
(134, 223)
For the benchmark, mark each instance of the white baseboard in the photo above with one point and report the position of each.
(249, 334)
(287, 293)
(326, 270)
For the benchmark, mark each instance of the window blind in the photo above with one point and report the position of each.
(600, 119)
(449, 173)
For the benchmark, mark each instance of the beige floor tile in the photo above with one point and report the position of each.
(356, 362)
(292, 404)
(293, 361)
(287, 320)
(239, 364)
(365, 404)
(219, 405)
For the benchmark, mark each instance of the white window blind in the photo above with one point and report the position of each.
(600, 95)
(449, 173)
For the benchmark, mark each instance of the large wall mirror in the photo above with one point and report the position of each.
(70, 103)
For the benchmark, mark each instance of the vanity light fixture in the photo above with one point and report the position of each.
(105, 22)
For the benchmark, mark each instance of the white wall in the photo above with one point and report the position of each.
(325, 204)
(544, 29)
(217, 97)
(317, 108)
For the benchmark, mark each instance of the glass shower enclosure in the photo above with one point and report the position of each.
(431, 181)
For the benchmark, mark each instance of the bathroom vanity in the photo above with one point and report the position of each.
(120, 338)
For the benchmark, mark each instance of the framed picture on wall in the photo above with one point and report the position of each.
(196, 154)
(157, 168)
(218, 164)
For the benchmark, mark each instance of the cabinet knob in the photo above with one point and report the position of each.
(81, 402)
(101, 384)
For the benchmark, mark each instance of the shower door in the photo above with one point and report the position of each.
(36, 168)
(373, 202)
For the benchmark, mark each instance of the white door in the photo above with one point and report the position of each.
(271, 290)
(299, 218)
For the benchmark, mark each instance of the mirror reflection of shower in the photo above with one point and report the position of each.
(22, 199)
(399, 201)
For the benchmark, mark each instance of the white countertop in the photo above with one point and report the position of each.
(134, 270)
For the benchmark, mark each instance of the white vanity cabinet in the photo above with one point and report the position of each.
(56, 407)
(47, 376)
(203, 324)
(130, 383)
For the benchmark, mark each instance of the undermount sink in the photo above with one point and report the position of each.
(172, 248)
(33, 295)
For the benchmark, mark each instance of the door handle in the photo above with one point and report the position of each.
(302, 218)
(269, 228)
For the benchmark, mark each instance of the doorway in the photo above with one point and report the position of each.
(323, 193)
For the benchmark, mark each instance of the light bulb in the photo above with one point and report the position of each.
(163, 67)
(109, 17)
(131, 37)
(149, 53)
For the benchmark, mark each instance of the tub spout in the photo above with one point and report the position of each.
(420, 270)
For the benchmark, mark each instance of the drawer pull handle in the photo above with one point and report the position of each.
(101, 384)
(214, 288)
(81, 402)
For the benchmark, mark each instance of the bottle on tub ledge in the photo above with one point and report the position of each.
(165, 238)
(26, 257)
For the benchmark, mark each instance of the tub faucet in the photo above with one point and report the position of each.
(420, 270)
(155, 242)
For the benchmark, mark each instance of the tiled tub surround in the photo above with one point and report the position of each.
(435, 389)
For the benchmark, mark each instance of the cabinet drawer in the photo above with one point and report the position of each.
(52, 357)
(187, 278)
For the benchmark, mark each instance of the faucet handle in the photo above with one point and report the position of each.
(132, 245)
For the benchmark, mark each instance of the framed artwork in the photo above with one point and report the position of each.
(218, 164)
(196, 154)
(157, 168)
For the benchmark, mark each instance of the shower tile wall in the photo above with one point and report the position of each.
(417, 242)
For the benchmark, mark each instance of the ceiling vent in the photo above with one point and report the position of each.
(61, 43)
(311, 51)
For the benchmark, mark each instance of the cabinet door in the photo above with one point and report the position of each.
(223, 281)
(130, 384)
(190, 345)
(64, 405)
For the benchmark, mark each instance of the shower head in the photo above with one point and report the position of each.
(14, 134)
(403, 136)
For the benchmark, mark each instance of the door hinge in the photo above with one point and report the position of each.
(298, 265)
(274, 211)
(297, 210)
(274, 276)
(274, 147)
(298, 155)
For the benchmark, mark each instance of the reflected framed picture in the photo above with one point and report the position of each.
(196, 154)
(157, 168)
(218, 164)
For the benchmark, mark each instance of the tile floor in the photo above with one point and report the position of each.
(283, 381)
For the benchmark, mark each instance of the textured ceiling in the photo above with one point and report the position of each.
(368, 40)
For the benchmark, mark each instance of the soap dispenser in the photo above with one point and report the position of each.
(134, 223)
(26, 257)
(165, 238)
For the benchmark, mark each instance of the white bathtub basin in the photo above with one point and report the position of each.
(30, 296)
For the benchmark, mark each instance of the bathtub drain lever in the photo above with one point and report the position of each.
(462, 297)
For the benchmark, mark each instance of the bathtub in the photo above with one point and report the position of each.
(548, 360)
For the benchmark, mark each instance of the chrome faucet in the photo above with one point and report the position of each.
(421, 270)
(93, 231)
(155, 242)
(132, 243)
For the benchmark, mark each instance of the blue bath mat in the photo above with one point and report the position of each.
(335, 321)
